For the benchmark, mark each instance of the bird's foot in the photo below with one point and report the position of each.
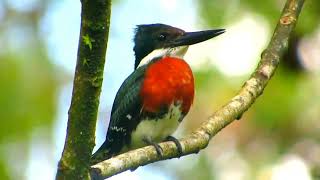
(239, 116)
(176, 142)
(133, 169)
(158, 148)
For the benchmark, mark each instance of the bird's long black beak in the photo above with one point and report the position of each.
(189, 38)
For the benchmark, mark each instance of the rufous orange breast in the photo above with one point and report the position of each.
(168, 80)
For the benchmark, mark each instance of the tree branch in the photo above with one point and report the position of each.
(200, 138)
(95, 20)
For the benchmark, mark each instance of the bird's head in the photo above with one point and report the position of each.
(156, 40)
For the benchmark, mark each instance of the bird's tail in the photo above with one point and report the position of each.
(101, 154)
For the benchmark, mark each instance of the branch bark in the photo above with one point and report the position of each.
(200, 138)
(95, 20)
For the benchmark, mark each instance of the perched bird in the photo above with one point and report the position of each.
(155, 98)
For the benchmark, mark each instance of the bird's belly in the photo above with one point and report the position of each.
(157, 129)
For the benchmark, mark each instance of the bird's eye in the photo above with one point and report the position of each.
(162, 37)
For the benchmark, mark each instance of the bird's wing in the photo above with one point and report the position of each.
(125, 116)
(131, 80)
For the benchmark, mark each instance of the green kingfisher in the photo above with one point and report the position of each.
(155, 98)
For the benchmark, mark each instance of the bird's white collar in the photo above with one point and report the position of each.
(178, 52)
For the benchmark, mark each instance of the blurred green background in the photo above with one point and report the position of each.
(278, 138)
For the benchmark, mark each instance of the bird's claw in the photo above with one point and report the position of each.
(158, 148)
(176, 142)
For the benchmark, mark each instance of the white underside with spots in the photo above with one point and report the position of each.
(157, 130)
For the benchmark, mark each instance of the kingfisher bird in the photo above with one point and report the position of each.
(157, 95)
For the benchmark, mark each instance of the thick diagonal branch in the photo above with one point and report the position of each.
(199, 139)
(95, 19)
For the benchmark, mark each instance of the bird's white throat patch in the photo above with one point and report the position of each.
(178, 52)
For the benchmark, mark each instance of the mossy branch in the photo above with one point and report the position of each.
(95, 21)
(200, 138)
